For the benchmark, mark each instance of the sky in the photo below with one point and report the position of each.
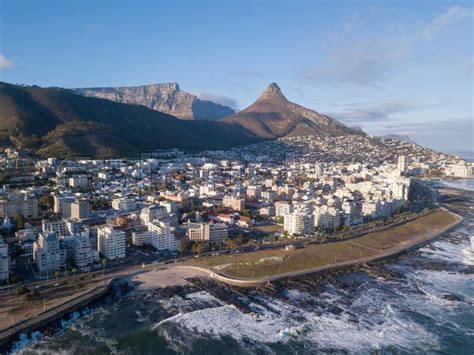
(389, 67)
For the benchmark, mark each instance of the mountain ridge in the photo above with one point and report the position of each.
(163, 97)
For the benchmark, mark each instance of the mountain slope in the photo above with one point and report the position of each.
(58, 122)
(273, 116)
(167, 98)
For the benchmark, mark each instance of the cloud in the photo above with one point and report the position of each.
(365, 62)
(369, 60)
(5, 63)
(366, 112)
(452, 15)
(219, 99)
(247, 73)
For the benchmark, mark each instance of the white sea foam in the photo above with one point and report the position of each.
(381, 326)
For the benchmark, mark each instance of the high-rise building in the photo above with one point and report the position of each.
(49, 253)
(81, 249)
(402, 164)
(22, 204)
(4, 261)
(80, 209)
(161, 237)
(298, 223)
(111, 242)
(213, 233)
(235, 203)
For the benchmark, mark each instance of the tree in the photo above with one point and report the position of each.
(46, 201)
(56, 273)
(183, 246)
(74, 270)
(122, 222)
(19, 220)
(66, 273)
(103, 261)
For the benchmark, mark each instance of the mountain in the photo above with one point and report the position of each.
(59, 122)
(401, 138)
(166, 98)
(273, 116)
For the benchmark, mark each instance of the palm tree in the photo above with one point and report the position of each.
(74, 270)
(56, 273)
(103, 261)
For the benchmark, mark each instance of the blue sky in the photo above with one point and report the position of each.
(403, 67)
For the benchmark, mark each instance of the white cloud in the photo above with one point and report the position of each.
(376, 112)
(219, 99)
(452, 15)
(5, 63)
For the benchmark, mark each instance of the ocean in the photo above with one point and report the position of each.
(420, 303)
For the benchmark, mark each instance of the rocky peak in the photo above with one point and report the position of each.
(273, 91)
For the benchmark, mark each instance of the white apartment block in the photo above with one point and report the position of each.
(80, 209)
(150, 213)
(59, 227)
(124, 204)
(4, 261)
(283, 208)
(62, 205)
(111, 242)
(235, 203)
(82, 251)
(254, 192)
(48, 253)
(328, 218)
(213, 233)
(77, 181)
(160, 236)
(298, 223)
(19, 204)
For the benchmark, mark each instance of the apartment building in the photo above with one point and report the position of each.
(213, 233)
(111, 242)
(48, 252)
(22, 204)
(4, 261)
(300, 223)
(235, 203)
(82, 250)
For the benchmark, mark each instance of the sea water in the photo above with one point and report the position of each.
(422, 303)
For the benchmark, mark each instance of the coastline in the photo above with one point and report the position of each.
(202, 273)
(392, 253)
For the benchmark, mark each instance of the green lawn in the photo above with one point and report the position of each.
(279, 261)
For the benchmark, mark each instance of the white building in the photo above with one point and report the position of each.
(150, 213)
(213, 233)
(283, 208)
(82, 251)
(328, 218)
(48, 253)
(4, 261)
(59, 227)
(62, 205)
(300, 223)
(402, 164)
(111, 242)
(78, 181)
(160, 236)
(235, 203)
(124, 204)
(80, 209)
(22, 204)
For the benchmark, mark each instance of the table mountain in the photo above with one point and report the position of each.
(273, 116)
(167, 98)
(61, 123)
